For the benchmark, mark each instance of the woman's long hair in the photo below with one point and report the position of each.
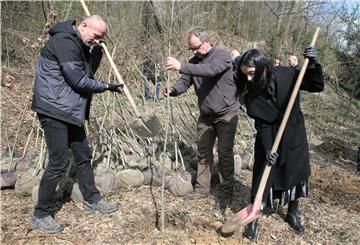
(263, 72)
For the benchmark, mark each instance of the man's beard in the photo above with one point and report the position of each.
(89, 44)
(199, 56)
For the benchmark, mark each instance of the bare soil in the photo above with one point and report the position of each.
(331, 215)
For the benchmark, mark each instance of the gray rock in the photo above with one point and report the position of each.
(106, 181)
(237, 164)
(25, 181)
(129, 178)
(7, 179)
(180, 184)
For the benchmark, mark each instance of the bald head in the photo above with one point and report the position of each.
(96, 22)
(92, 29)
(234, 54)
(293, 60)
(276, 62)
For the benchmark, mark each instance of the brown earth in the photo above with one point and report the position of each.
(330, 214)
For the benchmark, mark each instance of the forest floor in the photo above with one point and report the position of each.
(331, 214)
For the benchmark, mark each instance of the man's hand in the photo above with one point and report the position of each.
(172, 64)
(115, 87)
(167, 92)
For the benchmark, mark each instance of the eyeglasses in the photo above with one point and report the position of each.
(196, 48)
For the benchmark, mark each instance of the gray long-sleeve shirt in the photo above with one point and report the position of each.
(212, 77)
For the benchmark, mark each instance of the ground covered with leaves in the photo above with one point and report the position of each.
(331, 214)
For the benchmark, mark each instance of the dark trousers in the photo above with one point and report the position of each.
(224, 130)
(60, 136)
(148, 94)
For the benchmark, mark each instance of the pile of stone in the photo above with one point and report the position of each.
(19, 172)
(131, 171)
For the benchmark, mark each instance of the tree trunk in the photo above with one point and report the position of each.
(146, 13)
(290, 22)
(159, 18)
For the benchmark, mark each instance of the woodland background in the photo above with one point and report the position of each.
(157, 29)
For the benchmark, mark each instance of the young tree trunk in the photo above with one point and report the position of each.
(158, 15)
(291, 14)
(146, 14)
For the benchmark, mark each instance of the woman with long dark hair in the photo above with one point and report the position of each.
(266, 92)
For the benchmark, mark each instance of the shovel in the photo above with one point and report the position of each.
(145, 128)
(251, 212)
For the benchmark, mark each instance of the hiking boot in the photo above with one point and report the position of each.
(195, 196)
(46, 224)
(102, 206)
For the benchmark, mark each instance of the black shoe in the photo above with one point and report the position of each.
(294, 221)
(250, 231)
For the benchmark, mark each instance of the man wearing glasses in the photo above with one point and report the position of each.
(210, 71)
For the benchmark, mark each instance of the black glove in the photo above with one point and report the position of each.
(271, 158)
(115, 87)
(310, 53)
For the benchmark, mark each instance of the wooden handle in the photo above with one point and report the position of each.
(85, 7)
(289, 107)
(315, 36)
(117, 74)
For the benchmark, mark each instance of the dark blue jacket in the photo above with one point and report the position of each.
(64, 76)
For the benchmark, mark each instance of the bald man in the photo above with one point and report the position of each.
(293, 62)
(63, 87)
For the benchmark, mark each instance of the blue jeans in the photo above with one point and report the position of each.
(60, 136)
(147, 90)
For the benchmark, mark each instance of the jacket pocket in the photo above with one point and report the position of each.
(213, 103)
(222, 96)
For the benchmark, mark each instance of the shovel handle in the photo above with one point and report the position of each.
(289, 107)
(113, 66)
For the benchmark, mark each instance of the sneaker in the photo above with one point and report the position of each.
(195, 196)
(46, 224)
(102, 206)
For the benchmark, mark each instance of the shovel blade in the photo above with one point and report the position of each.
(146, 126)
(241, 218)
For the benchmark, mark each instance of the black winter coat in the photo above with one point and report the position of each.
(64, 76)
(293, 165)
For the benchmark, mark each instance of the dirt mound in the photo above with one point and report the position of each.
(337, 187)
(335, 148)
